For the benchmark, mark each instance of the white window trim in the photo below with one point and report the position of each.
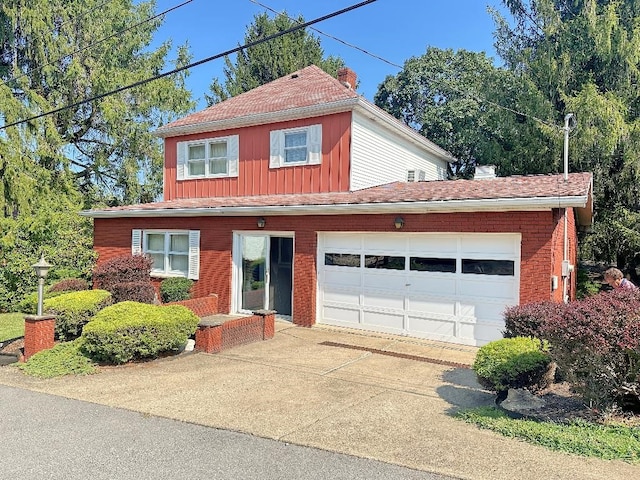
(314, 146)
(139, 247)
(182, 164)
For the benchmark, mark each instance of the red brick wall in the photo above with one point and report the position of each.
(539, 251)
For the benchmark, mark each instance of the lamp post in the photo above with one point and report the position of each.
(41, 268)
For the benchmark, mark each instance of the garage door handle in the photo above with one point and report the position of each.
(407, 284)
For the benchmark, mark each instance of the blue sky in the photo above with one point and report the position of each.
(395, 30)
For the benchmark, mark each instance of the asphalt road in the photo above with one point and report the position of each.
(48, 437)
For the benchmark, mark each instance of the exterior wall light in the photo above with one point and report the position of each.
(399, 222)
(41, 268)
(261, 222)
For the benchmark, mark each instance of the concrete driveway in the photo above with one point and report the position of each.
(374, 396)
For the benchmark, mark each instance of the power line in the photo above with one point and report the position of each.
(191, 65)
(97, 42)
(466, 94)
(331, 36)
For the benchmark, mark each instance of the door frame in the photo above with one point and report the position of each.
(236, 271)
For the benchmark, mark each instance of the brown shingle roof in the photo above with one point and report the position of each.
(303, 88)
(527, 190)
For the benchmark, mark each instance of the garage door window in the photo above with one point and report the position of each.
(488, 267)
(429, 264)
(385, 262)
(342, 259)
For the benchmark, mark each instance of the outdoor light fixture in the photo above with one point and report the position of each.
(41, 268)
(261, 222)
(399, 222)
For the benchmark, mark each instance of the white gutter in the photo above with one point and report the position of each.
(446, 206)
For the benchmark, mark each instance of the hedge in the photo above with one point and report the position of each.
(74, 309)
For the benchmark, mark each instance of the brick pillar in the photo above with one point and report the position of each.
(38, 334)
(209, 338)
(268, 322)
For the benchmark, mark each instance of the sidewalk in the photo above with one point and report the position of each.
(375, 396)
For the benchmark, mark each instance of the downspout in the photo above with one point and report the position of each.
(567, 268)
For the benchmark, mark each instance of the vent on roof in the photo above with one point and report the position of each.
(484, 171)
(415, 175)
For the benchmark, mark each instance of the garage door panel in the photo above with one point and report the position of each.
(382, 299)
(434, 327)
(384, 280)
(342, 276)
(342, 314)
(489, 244)
(383, 243)
(385, 321)
(440, 244)
(432, 306)
(340, 242)
(480, 333)
(480, 310)
(486, 287)
(434, 285)
(340, 295)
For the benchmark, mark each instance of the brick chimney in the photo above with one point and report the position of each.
(347, 77)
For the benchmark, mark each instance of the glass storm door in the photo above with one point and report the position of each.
(254, 272)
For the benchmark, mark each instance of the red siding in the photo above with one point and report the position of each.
(254, 175)
(541, 249)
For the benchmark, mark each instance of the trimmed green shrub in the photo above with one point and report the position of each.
(122, 269)
(74, 309)
(69, 285)
(517, 362)
(142, 292)
(63, 359)
(29, 304)
(130, 330)
(175, 289)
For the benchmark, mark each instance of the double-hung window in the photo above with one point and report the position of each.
(175, 253)
(296, 146)
(208, 158)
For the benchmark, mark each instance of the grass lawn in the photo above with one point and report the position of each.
(11, 326)
(608, 442)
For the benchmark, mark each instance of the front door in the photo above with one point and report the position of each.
(264, 273)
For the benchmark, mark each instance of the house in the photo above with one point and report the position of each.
(301, 196)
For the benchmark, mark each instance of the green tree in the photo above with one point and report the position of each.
(456, 99)
(54, 54)
(583, 55)
(270, 60)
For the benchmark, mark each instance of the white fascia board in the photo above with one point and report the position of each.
(442, 206)
(259, 119)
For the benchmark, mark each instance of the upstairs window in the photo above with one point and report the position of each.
(209, 158)
(296, 146)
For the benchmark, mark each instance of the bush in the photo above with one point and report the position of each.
(69, 285)
(596, 344)
(122, 269)
(528, 320)
(175, 289)
(63, 359)
(29, 304)
(73, 310)
(517, 362)
(142, 292)
(131, 330)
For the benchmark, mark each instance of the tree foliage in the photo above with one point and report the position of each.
(273, 59)
(583, 56)
(455, 100)
(54, 54)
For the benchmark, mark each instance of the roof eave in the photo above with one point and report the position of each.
(259, 119)
(440, 206)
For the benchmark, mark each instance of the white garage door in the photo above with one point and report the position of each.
(447, 287)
